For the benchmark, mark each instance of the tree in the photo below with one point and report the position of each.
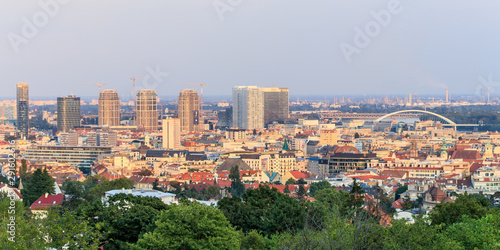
(481, 233)
(336, 202)
(286, 190)
(407, 204)
(146, 172)
(301, 192)
(400, 190)
(190, 226)
(356, 195)
(36, 185)
(54, 231)
(301, 181)
(290, 181)
(123, 218)
(263, 209)
(237, 187)
(76, 191)
(156, 185)
(23, 172)
(451, 212)
(212, 191)
(356, 135)
(317, 186)
(98, 190)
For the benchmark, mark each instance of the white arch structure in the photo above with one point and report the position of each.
(417, 111)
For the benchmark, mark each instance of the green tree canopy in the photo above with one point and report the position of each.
(317, 186)
(263, 209)
(451, 212)
(237, 187)
(190, 226)
(36, 185)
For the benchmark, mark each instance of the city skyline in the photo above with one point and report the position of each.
(407, 54)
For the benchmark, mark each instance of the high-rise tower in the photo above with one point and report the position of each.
(109, 108)
(248, 107)
(171, 133)
(22, 109)
(68, 113)
(147, 110)
(189, 110)
(275, 104)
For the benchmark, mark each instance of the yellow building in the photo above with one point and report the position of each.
(328, 137)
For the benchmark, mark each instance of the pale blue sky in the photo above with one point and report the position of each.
(427, 46)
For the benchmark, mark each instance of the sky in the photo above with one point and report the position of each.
(321, 47)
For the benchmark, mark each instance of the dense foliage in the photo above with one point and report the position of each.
(261, 218)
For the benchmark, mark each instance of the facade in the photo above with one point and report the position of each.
(147, 110)
(248, 107)
(328, 137)
(275, 104)
(171, 133)
(189, 110)
(68, 113)
(225, 118)
(109, 108)
(268, 161)
(236, 134)
(68, 139)
(8, 112)
(342, 162)
(81, 157)
(22, 109)
(103, 139)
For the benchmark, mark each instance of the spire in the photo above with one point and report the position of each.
(57, 190)
(20, 187)
(285, 145)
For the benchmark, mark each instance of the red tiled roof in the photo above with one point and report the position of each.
(394, 173)
(13, 188)
(299, 175)
(47, 201)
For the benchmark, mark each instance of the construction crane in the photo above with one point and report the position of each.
(133, 86)
(98, 84)
(201, 101)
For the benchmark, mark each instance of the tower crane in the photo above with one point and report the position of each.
(98, 84)
(201, 100)
(133, 86)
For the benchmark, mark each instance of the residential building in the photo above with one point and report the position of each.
(171, 133)
(342, 162)
(68, 139)
(41, 205)
(275, 104)
(147, 110)
(328, 137)
(189, 110)
(104, 139)
(68, 113)
(23, 109)
(82, 157)
(236, 134)
(109, 108)
(248, 107)
(225, 118)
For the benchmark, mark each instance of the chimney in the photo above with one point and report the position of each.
(46, 195)
(123, 190)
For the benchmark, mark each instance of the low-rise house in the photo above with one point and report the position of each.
(11, 192)
(41, 205)
(434, 196)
